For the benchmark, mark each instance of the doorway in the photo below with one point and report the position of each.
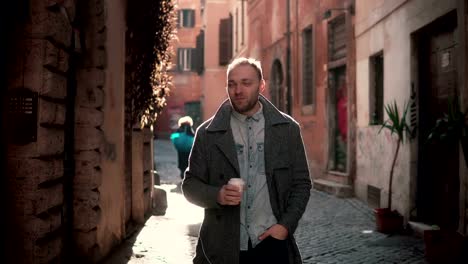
(277, 89)
(338, 128)
(193, 109)
(438, 183)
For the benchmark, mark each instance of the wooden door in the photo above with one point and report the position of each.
(438, 176)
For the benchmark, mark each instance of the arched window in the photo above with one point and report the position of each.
(277, 89)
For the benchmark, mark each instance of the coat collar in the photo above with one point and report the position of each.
(221, 120)
(273, 137)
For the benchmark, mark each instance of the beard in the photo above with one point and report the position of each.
(245, 105)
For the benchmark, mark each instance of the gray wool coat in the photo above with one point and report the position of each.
(213, 161)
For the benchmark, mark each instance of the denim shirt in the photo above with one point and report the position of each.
(256, 213)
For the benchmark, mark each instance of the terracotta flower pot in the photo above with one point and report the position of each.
(442, 246)
(388, 221)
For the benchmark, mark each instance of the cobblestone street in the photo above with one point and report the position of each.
(332, 230)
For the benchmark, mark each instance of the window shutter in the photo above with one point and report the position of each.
(225, 41)
(200, 53)
(337, 39)
(193, 59)
(180, 59)
(192, 18)
(179, 18)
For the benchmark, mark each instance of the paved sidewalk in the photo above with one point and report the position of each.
(332, 230)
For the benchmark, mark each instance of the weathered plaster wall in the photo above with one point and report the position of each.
(387, 26)
(374, 155)
(214, 78)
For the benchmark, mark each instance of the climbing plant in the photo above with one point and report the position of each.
(151, 26)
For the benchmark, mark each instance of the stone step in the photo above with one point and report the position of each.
(418, 228)
(337, 189)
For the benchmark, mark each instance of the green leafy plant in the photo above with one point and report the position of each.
(452, 127)
(151, 26)
(397, 125)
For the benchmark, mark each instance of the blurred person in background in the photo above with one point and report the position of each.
(182, 139)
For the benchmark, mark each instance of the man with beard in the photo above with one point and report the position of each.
(248, 138)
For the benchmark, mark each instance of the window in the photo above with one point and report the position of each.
(376, 85)
(225, 40)
(191, 59)
(184, 59)
(308, 87)
(186, 18)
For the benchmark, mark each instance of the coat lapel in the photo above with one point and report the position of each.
(273, 145)
(227, 146)
(225, 141)
(274, 135)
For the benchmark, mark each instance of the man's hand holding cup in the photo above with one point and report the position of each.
(231, 193)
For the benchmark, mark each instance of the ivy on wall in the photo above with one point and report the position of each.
(150, 28)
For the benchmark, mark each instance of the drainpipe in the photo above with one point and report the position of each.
(68, 253)
(296, 73)
(288, 58)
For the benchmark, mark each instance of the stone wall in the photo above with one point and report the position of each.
(148, 180)
(66, 189)
(35, 171)
(89, 117)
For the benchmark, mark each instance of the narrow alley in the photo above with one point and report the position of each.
(96, 94)
(332, 230)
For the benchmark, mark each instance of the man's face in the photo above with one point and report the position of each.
(243, 88)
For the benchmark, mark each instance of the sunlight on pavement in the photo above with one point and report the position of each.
(170, 238)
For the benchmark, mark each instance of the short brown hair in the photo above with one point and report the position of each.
(246, 61)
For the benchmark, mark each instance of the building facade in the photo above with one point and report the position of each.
(308, 59)
(309, 69)
(186, 94)
(334, 65)
(69, 198)
(411, 51)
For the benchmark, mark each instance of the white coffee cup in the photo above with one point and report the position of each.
(237, 182)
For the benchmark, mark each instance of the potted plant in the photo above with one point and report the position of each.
(443, 246)
(388, 220)
(446, 245)
(452, 127)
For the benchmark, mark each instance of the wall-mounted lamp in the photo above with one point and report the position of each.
(328, 12)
